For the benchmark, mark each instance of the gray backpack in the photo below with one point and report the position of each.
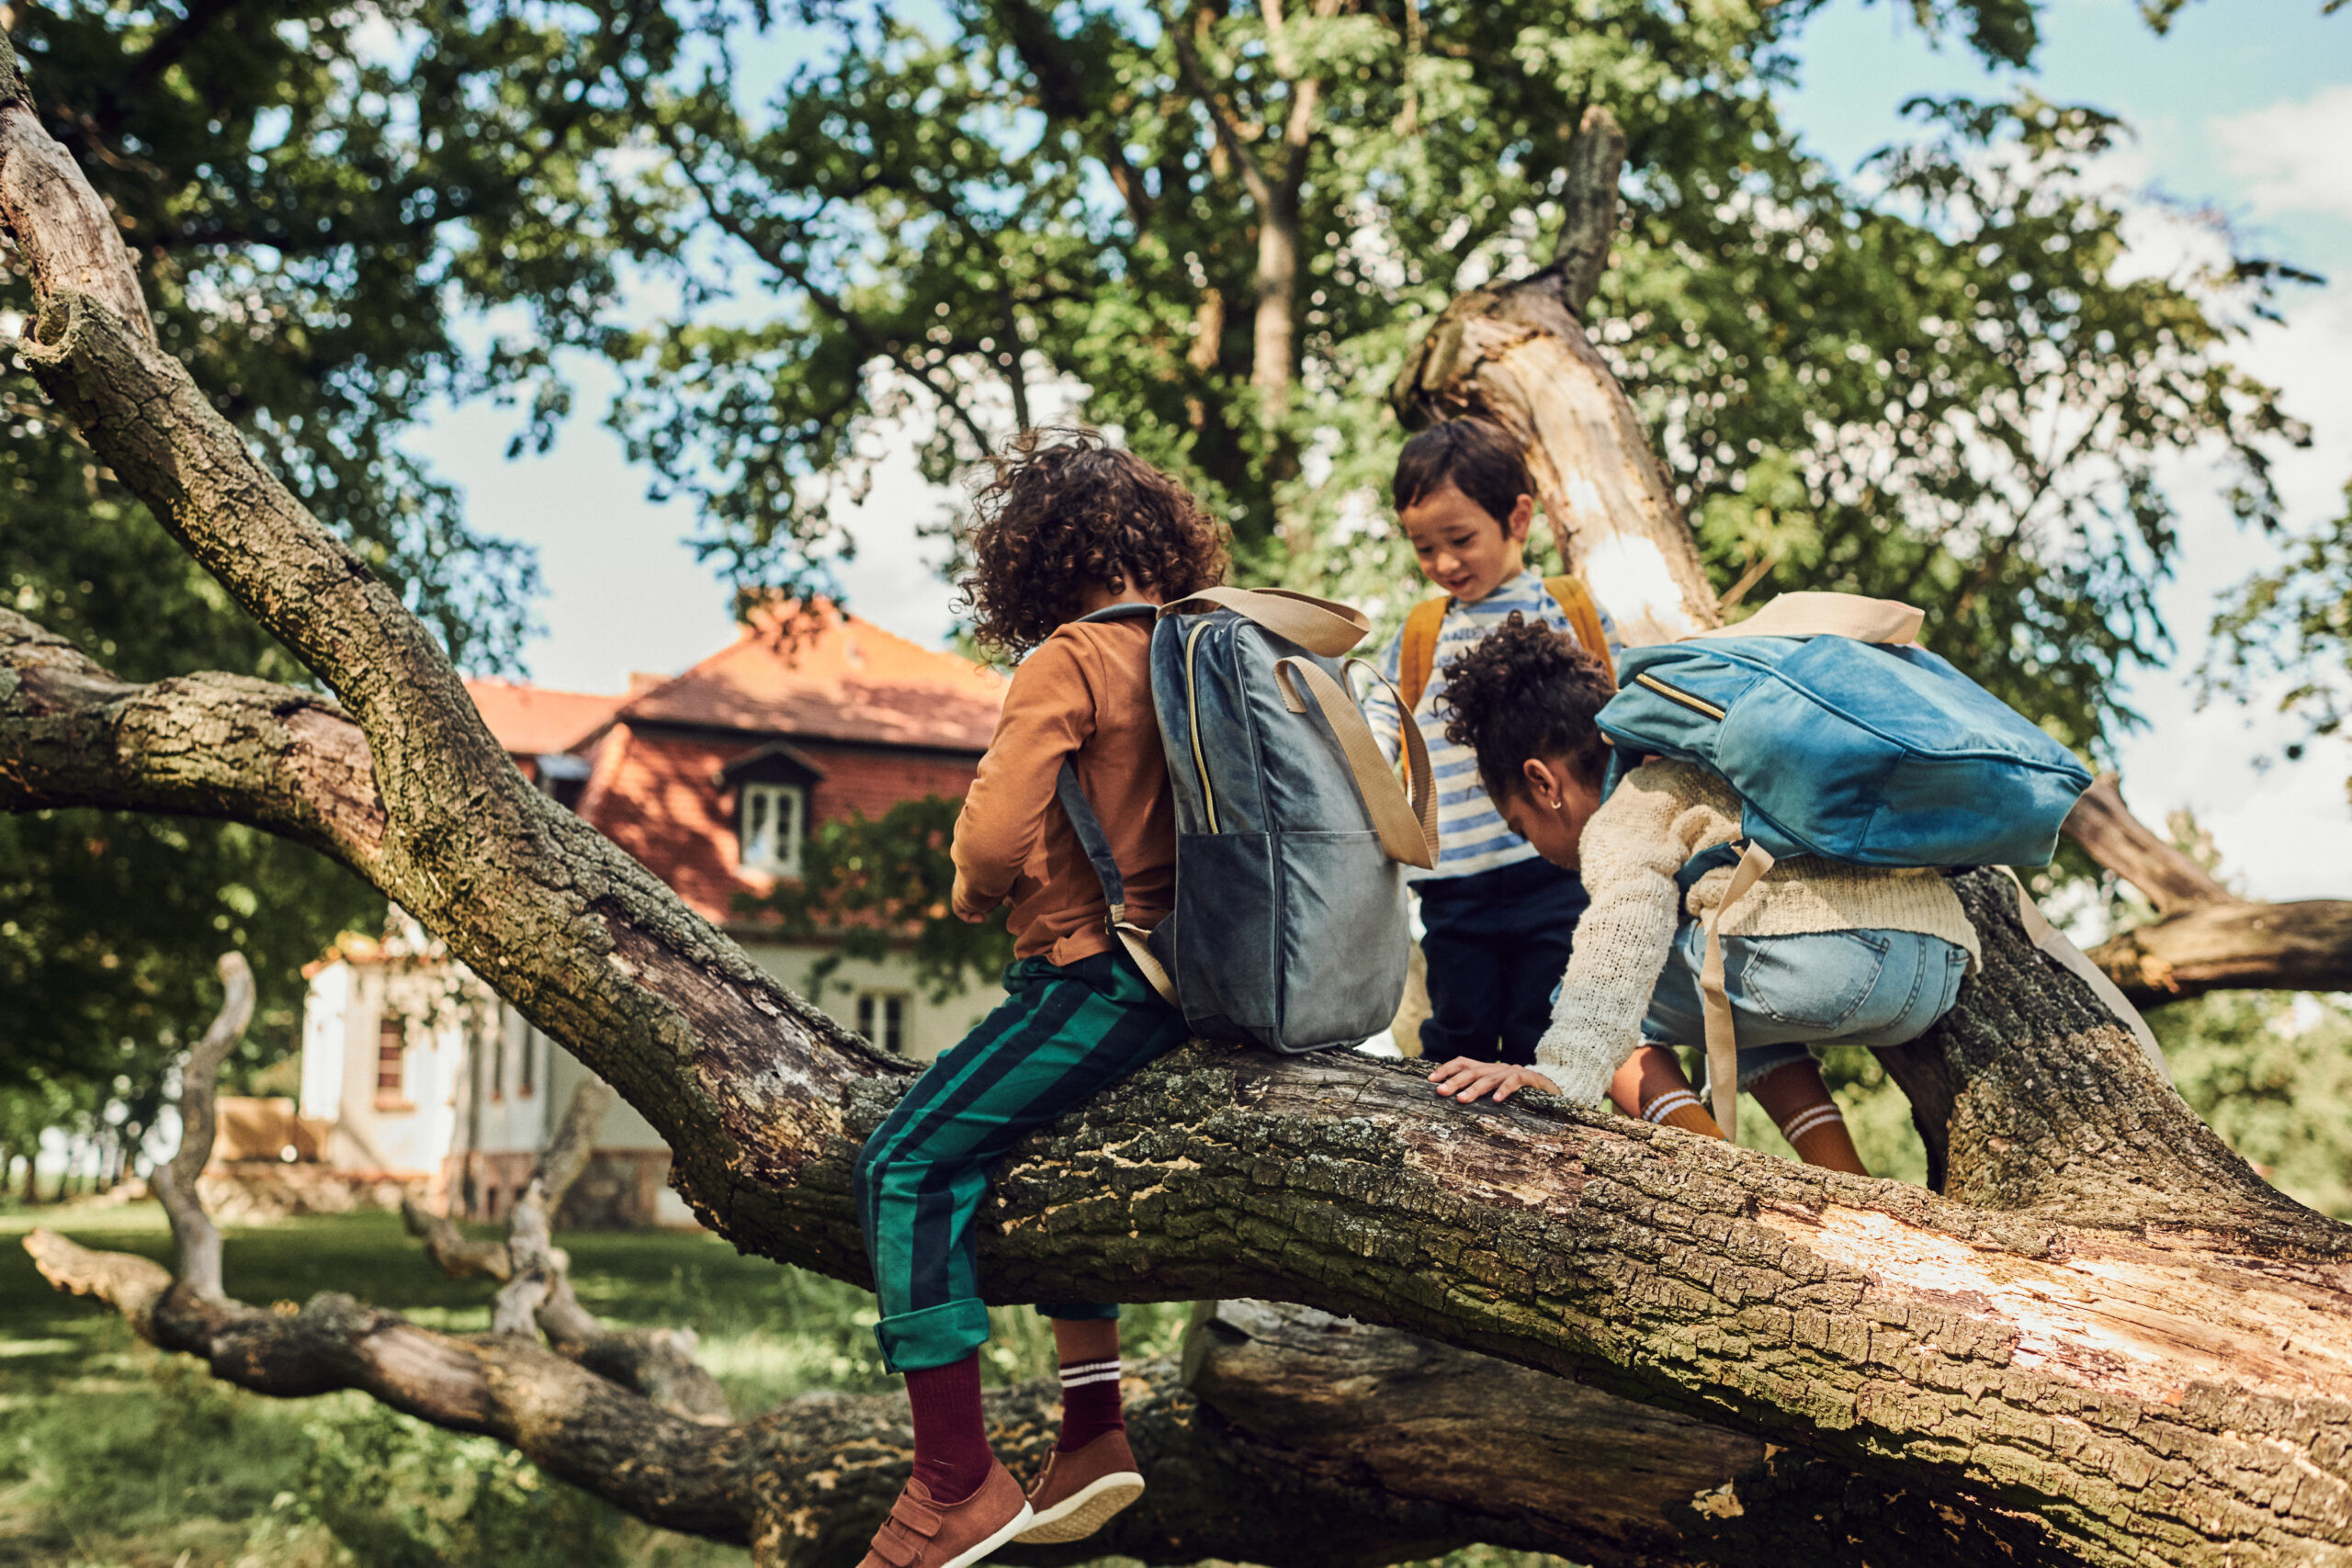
(1292, 831)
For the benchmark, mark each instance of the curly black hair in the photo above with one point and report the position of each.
(1063, 509)
(1527, 690)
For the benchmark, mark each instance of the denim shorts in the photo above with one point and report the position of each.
(1788, 993)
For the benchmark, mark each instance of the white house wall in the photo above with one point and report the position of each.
(325, 1019)
(932, 1027)
(508, 1119)
(408, 1138)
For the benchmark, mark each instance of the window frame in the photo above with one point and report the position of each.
(391, 1034)
(786, 862)
(893, 1010)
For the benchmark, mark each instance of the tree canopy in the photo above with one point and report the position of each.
(1216, 226)
(338, 218)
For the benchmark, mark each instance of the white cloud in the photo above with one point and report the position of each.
(2291, 155)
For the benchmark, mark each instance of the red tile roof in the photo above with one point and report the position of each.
(831, 676)
(529, 720)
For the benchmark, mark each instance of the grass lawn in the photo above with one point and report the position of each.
(115, 1456)
(112, 1453)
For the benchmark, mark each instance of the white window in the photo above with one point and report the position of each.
(882, 1018)
(773, 818)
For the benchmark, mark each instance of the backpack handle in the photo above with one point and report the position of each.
(1319, 626)
(1828, 615)
(1407, 823)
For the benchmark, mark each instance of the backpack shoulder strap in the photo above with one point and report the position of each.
(1575, 601)
(1097, 845)
(1417, 656)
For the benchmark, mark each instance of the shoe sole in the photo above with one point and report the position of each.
(1020, 1522)
(1078, 1516)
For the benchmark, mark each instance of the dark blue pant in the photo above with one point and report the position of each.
(1497, 944)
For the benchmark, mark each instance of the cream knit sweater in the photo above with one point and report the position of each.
(1662, 813)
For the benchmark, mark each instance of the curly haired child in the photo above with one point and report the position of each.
(1817, 952)
(1067, 526)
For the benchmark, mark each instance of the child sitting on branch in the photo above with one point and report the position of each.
(1068, 527)
(1815, 951)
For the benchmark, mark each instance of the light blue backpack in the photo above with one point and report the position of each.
(1292, 830)
(1843, 740)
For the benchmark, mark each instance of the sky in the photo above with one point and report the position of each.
(2246, 108)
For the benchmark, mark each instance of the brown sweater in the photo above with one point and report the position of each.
(1085, 691)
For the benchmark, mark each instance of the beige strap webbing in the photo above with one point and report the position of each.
(1319, 626)
(1407, 823)
(1131, 937)
(1828, 615)
(1723, 1042)
(2052, 941)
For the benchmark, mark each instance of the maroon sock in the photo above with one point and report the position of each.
(1089, 1402)
(951, 1455)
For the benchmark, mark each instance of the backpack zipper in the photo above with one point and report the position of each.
(1675, 693)
(1192, 706)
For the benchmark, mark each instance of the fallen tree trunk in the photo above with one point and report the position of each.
(2108, 1335)
(1282, 1435)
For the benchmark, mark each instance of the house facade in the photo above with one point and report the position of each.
(714, 780)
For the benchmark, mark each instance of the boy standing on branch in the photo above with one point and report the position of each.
(1068, 527)
(1498, 920)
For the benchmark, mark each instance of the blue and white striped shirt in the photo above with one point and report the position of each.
(1471, 834)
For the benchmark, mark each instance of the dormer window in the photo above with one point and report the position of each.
(771, 784)
(772, 820)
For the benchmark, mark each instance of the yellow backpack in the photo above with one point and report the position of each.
(1417, 656)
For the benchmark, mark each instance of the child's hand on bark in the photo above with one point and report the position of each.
(1466, 1079)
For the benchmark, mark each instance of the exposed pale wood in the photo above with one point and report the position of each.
(1516, 355)
(175, 1182)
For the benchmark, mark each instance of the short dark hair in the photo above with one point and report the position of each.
(1064, 508)
(1527, 690)
(1475, 457)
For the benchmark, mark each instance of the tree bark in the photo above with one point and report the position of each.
(2108, 1337)
(192, 1229)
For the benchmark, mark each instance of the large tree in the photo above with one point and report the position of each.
(276, 171)
(2102, 1340)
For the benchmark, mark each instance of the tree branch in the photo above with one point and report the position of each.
(2120, 841)
(1589, 222)
(174, 1183)
(216, 746)
(2208, 938)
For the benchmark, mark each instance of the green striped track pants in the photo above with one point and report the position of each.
(1061, 1035)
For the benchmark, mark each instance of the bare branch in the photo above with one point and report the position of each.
(1588, 226)
(175, 1182)
(63, 232)
(2207, 939)
(220, 746)
(2120, 841)
(451, 1250)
